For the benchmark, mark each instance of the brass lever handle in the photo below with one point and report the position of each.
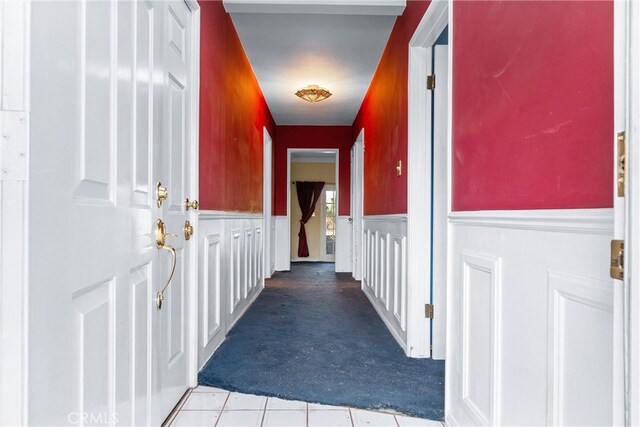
(161, 235)
(193, 204)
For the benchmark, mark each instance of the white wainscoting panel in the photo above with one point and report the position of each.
(230, 275)
(576, 398)
(384, 278)
(529, 318)
(283, 261)
(343, 244)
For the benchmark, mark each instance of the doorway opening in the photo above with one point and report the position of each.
(314, 165)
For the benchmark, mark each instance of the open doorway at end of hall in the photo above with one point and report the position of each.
(320, 228)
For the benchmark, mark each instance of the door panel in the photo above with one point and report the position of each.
(101, 353)
(173, 325)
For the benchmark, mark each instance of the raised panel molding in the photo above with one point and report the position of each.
(230, 273)
(211, 285)
(96, 90)
(385, 271)
(579, 301)
(529, 320)
(141, 306)
(481, 284)
(95, 348)
(142, 147)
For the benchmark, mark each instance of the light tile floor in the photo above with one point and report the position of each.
(210, 406)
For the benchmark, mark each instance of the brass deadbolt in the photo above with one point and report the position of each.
(161, 194)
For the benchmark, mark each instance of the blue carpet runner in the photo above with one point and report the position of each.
(313, 335)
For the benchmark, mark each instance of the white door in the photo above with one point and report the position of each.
(100, 351)
(357, 168)
(174, 174)
(440, 202)
(269, 241)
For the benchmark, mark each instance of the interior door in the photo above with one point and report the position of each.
(173, 324)
(439, 197)
(357, 162)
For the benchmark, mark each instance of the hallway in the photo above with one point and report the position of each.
(312, 335)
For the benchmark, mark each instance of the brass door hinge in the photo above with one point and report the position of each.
(428, 311)
(622, 160)
(431, 82)
(617, 259)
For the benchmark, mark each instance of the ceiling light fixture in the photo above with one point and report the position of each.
(313, 93)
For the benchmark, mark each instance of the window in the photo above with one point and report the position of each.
(330, 221)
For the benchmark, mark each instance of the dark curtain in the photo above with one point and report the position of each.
(308, 195)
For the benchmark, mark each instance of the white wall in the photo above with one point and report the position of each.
(384, 271)
(530, 318)
(230, 275)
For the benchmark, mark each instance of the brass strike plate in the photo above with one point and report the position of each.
(617, 259)
(622, 160)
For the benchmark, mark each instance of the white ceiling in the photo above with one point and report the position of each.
(289, 50)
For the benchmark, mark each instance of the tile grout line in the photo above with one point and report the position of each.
(307, 411)
(178, 408)
(395, 418)
(351, 417)
(222, 409)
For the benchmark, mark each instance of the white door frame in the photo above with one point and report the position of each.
(633, 213)
(357, 205)
(194, 180)
(290, 151)
(436, 18)
(626, 397)
(267, 203)
(14, 208)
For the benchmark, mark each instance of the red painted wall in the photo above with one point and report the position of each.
(232, 115)
(312, 137)
(532, 105)
(383, 115)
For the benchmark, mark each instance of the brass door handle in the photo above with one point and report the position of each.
(193, 204)
(161, 236)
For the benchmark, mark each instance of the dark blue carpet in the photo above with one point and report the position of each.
(312, 335)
